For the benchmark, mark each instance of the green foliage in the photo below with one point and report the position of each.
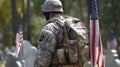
(108, 12)
(38, 23)
(37, 7)
(109, 22)
(5, 12)
(7, 34)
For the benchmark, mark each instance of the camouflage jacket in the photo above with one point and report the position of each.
(51, 43)
(50, 36)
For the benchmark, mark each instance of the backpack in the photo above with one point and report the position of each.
(79, 29)
(74, 50)
(81, 33)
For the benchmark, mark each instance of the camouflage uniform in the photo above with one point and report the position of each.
(50, 36)
(53, 49)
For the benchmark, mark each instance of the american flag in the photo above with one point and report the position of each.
(96, 51)
(19, 39)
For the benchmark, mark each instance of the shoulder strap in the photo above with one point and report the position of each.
(61, 23)
(56, 20)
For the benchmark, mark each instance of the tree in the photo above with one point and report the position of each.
(29, 32)
(14, 18)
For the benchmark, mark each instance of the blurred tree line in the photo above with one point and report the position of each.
(29, 11)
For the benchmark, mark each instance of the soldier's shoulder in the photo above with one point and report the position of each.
(49, 28)
(51, 25)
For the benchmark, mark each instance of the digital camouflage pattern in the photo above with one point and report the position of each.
(52, 6)
(58, 48)
(50, 36)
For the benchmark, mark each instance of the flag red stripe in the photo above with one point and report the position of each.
(93, 40)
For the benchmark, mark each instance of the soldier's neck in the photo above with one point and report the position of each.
(52, 15)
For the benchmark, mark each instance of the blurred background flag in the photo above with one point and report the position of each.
(113, 42)
(96, 52)
(19, 38)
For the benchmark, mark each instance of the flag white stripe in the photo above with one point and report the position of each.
(97, 40)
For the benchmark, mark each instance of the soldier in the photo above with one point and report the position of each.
(53, 49)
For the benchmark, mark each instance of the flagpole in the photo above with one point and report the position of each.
(22, 19)
(23, 60)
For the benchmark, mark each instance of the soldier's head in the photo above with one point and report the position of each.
(51, 6)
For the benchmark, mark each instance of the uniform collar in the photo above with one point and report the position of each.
(56, 17)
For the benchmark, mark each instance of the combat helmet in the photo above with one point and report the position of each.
(52, 6)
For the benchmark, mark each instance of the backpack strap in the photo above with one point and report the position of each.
(61, 23)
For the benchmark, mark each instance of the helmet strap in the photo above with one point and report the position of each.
(47, 15)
